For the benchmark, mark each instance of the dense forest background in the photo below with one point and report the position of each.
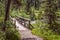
(45, 14)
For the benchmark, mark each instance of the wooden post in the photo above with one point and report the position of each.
(21, 21)
(24, 23)
(29, 24)
(15, 23)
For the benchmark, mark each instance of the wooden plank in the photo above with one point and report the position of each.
(22, 18)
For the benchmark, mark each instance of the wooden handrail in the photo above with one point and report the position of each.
(31, 27)
(23, 18)
(23, 22)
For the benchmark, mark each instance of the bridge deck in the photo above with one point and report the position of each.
(19, 26)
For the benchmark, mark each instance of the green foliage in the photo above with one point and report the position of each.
(42, 30)
(12, 34)
(2, 35)
(2, 8)
(58, 13)
(1, 19)
(45, 34)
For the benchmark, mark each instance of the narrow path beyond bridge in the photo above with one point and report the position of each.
(25, 32)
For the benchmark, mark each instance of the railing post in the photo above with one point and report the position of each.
(24, 23)
(29, 24)
(15, 23)
(21, 21)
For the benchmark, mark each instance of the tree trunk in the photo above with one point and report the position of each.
(6, 14)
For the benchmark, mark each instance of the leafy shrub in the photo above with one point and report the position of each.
(9, 34)
(41, 29)
(1, 19)
(46, 34)
(12, 34)
(2, 35)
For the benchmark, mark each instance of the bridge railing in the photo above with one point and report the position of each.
(25, 22)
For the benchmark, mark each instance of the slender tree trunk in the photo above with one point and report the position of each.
(6, 14)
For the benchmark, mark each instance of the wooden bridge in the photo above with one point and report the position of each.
(25, 22)
(24, 27)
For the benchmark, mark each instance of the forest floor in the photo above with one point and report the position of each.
(25, 33)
